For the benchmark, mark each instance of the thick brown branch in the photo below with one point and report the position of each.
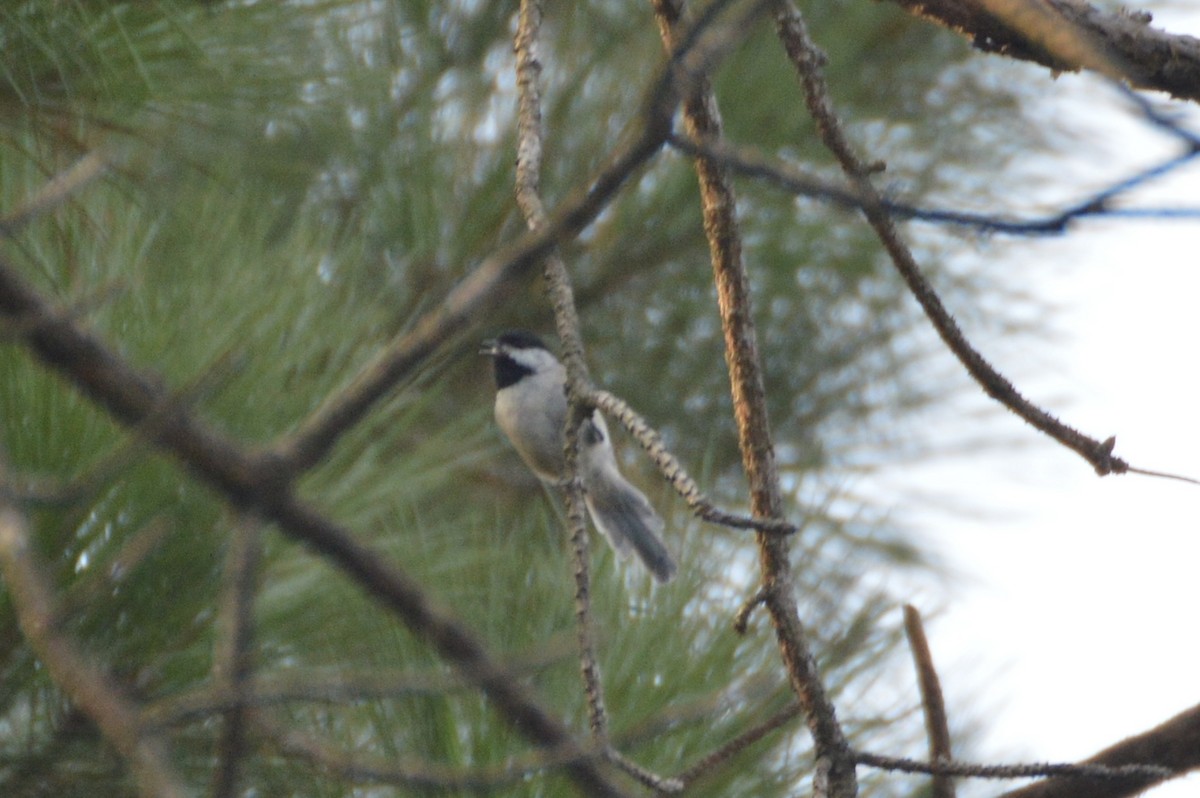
(835, 774)
(1173, 745)
(1148, 58)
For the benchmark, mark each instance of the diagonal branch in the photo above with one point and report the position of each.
(56, 190)
(809, 61)
(731, 749)
(255, 481)
(484, 288)
(673, 470)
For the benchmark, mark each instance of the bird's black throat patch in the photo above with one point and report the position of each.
(508, 371)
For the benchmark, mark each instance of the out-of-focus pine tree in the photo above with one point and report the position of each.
(290, 184)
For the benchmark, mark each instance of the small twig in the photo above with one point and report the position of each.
(96, 581)
(937, 726)
(82, 680)
(741, 620)
(233, 657)
(647, 777)
(56, 190)
(670, 467)
(1163, 475)
(740, 743)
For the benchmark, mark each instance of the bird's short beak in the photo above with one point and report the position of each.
(489, 348)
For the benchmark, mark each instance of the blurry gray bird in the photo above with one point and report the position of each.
(531, 408)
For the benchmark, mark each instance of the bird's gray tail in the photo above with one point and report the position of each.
(625, 517)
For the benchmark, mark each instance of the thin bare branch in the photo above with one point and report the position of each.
(834, 771)
(96, 581)
(57, 190)
(745, 161)
(528, 179)
(738, 744)
(741, 619)
(645, 776)
(85, 682)
(809, 60)
(1092, 775)
(937, 726)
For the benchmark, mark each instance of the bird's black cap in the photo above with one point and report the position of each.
(521, 339)
(508, 371)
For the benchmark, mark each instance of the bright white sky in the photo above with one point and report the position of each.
(1075, 623)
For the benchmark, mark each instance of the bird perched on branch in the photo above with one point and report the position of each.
(531, 408)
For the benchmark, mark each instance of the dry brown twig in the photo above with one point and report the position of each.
(726, 752)
(937, 725)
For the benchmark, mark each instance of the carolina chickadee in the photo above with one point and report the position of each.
(531, 408)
